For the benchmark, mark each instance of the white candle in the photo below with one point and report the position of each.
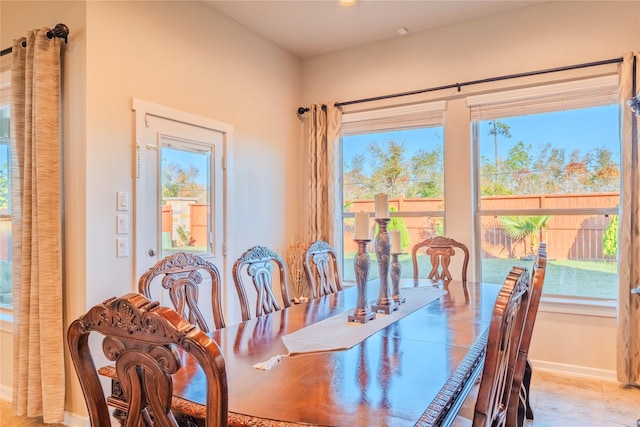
(382, 206)
(362, 226)
(396, 248)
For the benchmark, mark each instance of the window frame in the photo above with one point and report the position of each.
(588, 92)
(425, 114)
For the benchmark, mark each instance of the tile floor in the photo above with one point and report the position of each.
(563, 401)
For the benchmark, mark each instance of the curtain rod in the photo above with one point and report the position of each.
(61, 31)
(302, 110)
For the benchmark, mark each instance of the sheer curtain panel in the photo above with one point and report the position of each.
(325, 177)
(628, 348)
(36, 192)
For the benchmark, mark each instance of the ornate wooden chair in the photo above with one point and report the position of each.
(321, 268)
(181, 276)
(519, 406)
(258, 263)
(487, 404)
(147, 342)
(440, 250)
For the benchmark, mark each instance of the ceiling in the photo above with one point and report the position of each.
(310, 28)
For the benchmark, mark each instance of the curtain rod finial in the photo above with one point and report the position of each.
(302, 110)
(61, 31)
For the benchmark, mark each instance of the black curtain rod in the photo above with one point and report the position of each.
(302, 110)
(61, 31)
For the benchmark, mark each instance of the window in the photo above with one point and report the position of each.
(548, 169)
(398, 151)
(186, 177)
(5, 202)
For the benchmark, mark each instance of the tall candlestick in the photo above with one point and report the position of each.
(362, 226)
(382, 205)
(396, 247)
(361, 263)
(383, 249)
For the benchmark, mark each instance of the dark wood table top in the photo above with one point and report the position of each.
(409, 373)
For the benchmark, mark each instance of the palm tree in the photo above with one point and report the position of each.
(521, 227)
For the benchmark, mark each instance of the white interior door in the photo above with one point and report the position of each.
(183, 201)
(181, 190)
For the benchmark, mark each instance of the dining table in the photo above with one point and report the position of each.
(414, 369)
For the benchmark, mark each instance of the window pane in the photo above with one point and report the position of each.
(564, 152)
(408, 166)
(185, 200)
(559, 173)
(5, 212)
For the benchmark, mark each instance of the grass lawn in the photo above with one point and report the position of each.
(597, 279)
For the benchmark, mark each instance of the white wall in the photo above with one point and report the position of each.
(185, 56)
(544, 36)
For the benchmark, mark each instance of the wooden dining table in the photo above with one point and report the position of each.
(414, 372)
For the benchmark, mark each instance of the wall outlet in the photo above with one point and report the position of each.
(122, 247)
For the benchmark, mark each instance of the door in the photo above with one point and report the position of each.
(180, 198)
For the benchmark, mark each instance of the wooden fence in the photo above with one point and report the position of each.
(576, 237)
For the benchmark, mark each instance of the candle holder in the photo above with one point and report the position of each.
(395, 279)
(385, 304)
(361, 263)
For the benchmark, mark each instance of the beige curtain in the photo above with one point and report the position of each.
(628, 348)
(325, 177)
(39, 383)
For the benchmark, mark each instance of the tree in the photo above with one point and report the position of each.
(606, 173)
(4, 188)
(610, 237)
(397, 223)
(178, 182)
(521, 227)
(427, 173)
(390, 171)
(502, 129)
(356, 184)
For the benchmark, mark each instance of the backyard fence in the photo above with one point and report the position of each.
(575, 237)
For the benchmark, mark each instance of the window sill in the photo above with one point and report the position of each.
(579, 306)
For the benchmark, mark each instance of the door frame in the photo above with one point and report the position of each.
(141, 108)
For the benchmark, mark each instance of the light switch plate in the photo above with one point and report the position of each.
(122, 247)
(122, 224)
(122, 200)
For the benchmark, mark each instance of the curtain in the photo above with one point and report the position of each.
(325, 174)
(628, 348)
(38, 354)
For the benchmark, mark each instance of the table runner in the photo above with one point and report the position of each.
(336, 333)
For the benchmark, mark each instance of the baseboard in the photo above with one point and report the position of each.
(574, 370)
(75, 420)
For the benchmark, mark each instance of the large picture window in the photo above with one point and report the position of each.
(398, 151)
(548, 169)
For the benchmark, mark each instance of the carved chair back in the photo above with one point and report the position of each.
(147, 342)
(519, 403)
(321, 268)
(501, 351)
(181, 275)
(258, 263)
(440, 250)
